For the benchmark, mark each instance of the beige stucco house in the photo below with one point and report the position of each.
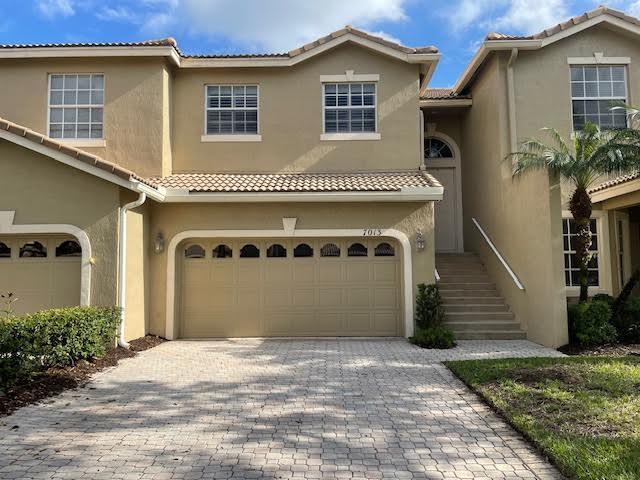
(305, 193)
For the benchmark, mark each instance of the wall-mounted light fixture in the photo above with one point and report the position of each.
(158, 244)
(420, 242)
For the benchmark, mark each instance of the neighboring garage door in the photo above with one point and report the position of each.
(41, 271)
(290, 287)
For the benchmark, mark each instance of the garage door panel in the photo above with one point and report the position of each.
(329, 271)
(359, 323)
(385, 272)
(291, 296)
(32, 275)
(357, 271)
(359, 297)
(304, 297)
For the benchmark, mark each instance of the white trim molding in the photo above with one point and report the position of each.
(332, 137)
(350, 76)
(231, 138)
(9, 228)
(597, 59)
(286, 232)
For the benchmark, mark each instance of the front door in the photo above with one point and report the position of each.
(446, 222)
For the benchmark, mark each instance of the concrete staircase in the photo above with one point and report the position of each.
(473, 307)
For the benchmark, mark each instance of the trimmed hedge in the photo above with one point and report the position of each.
(590, 323)
(434, 337)
(59, 337)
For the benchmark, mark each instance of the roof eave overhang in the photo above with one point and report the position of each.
(403, 195)
(614, 191)
(90, 52)
(534, 44)
(446, 103)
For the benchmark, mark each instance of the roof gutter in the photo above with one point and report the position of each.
(122, 262)
(409, 194)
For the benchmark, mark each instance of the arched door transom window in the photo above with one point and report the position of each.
(436, 148)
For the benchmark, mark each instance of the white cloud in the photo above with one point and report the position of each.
(510, 16)
(274, 25)
(56, 8)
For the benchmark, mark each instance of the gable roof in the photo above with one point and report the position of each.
(501, 41)
(614, 182)
(169, 47)
(72, 156)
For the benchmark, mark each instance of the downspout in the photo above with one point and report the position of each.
(421, 160)
(511, 98)
(122, 262)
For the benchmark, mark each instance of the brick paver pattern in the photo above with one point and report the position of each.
(279, 408)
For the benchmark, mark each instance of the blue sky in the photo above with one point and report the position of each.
(252, 26)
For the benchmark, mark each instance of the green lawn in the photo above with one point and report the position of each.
(582, 412)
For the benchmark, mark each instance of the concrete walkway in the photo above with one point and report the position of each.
(329, 408)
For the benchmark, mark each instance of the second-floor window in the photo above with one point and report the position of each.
(76, 106)
(349, 107)
(594, 91)
(232, 109)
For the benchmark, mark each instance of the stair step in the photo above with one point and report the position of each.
(483, 326)
(461, 269)
(466, 285)
(456, 293)
(475, 307)
(464, 278)
(468, 300)
(491, 335)
(477, 316)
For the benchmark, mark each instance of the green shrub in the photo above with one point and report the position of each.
(434, 337)
(628, 322)
(429, 309)
(590, 322)
(57, 337)
(603, 297)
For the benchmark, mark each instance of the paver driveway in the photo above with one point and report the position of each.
(273, 409)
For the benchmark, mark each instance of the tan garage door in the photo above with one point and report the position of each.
(41, 271)
(285, 287)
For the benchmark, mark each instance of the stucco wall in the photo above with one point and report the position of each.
(290, 118)
(521, 216)
(135, 104)
(42, 190)
(173, 219)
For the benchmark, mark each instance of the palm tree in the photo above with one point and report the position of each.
(592, 154)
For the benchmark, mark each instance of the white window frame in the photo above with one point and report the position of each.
(582, 62)
(78, 142)
(233, 137)
(324, 136)
(623, 262)
(604, 256)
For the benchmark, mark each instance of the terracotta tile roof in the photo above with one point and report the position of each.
(442, 94)
(360, 33)
(615, 181)
(171, 42)
(602, 10)
(299, 182)
(76, 153)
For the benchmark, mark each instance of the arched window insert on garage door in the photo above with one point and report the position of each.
(330, 250)
(436, 148)
(276, 251)
(222, 251)
(357, 250)
(33, 250)
(385, 250)
(194, 251)
(5, 250)
(69, 248)
(249, 251)
(303, 251)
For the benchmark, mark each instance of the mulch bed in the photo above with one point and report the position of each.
(56, 380)
(613, 350)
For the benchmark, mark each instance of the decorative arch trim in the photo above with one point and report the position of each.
(401, 237)
(8, 227)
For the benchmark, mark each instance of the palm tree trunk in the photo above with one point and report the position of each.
(580, 207)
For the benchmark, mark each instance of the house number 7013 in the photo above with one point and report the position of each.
(371, 232)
